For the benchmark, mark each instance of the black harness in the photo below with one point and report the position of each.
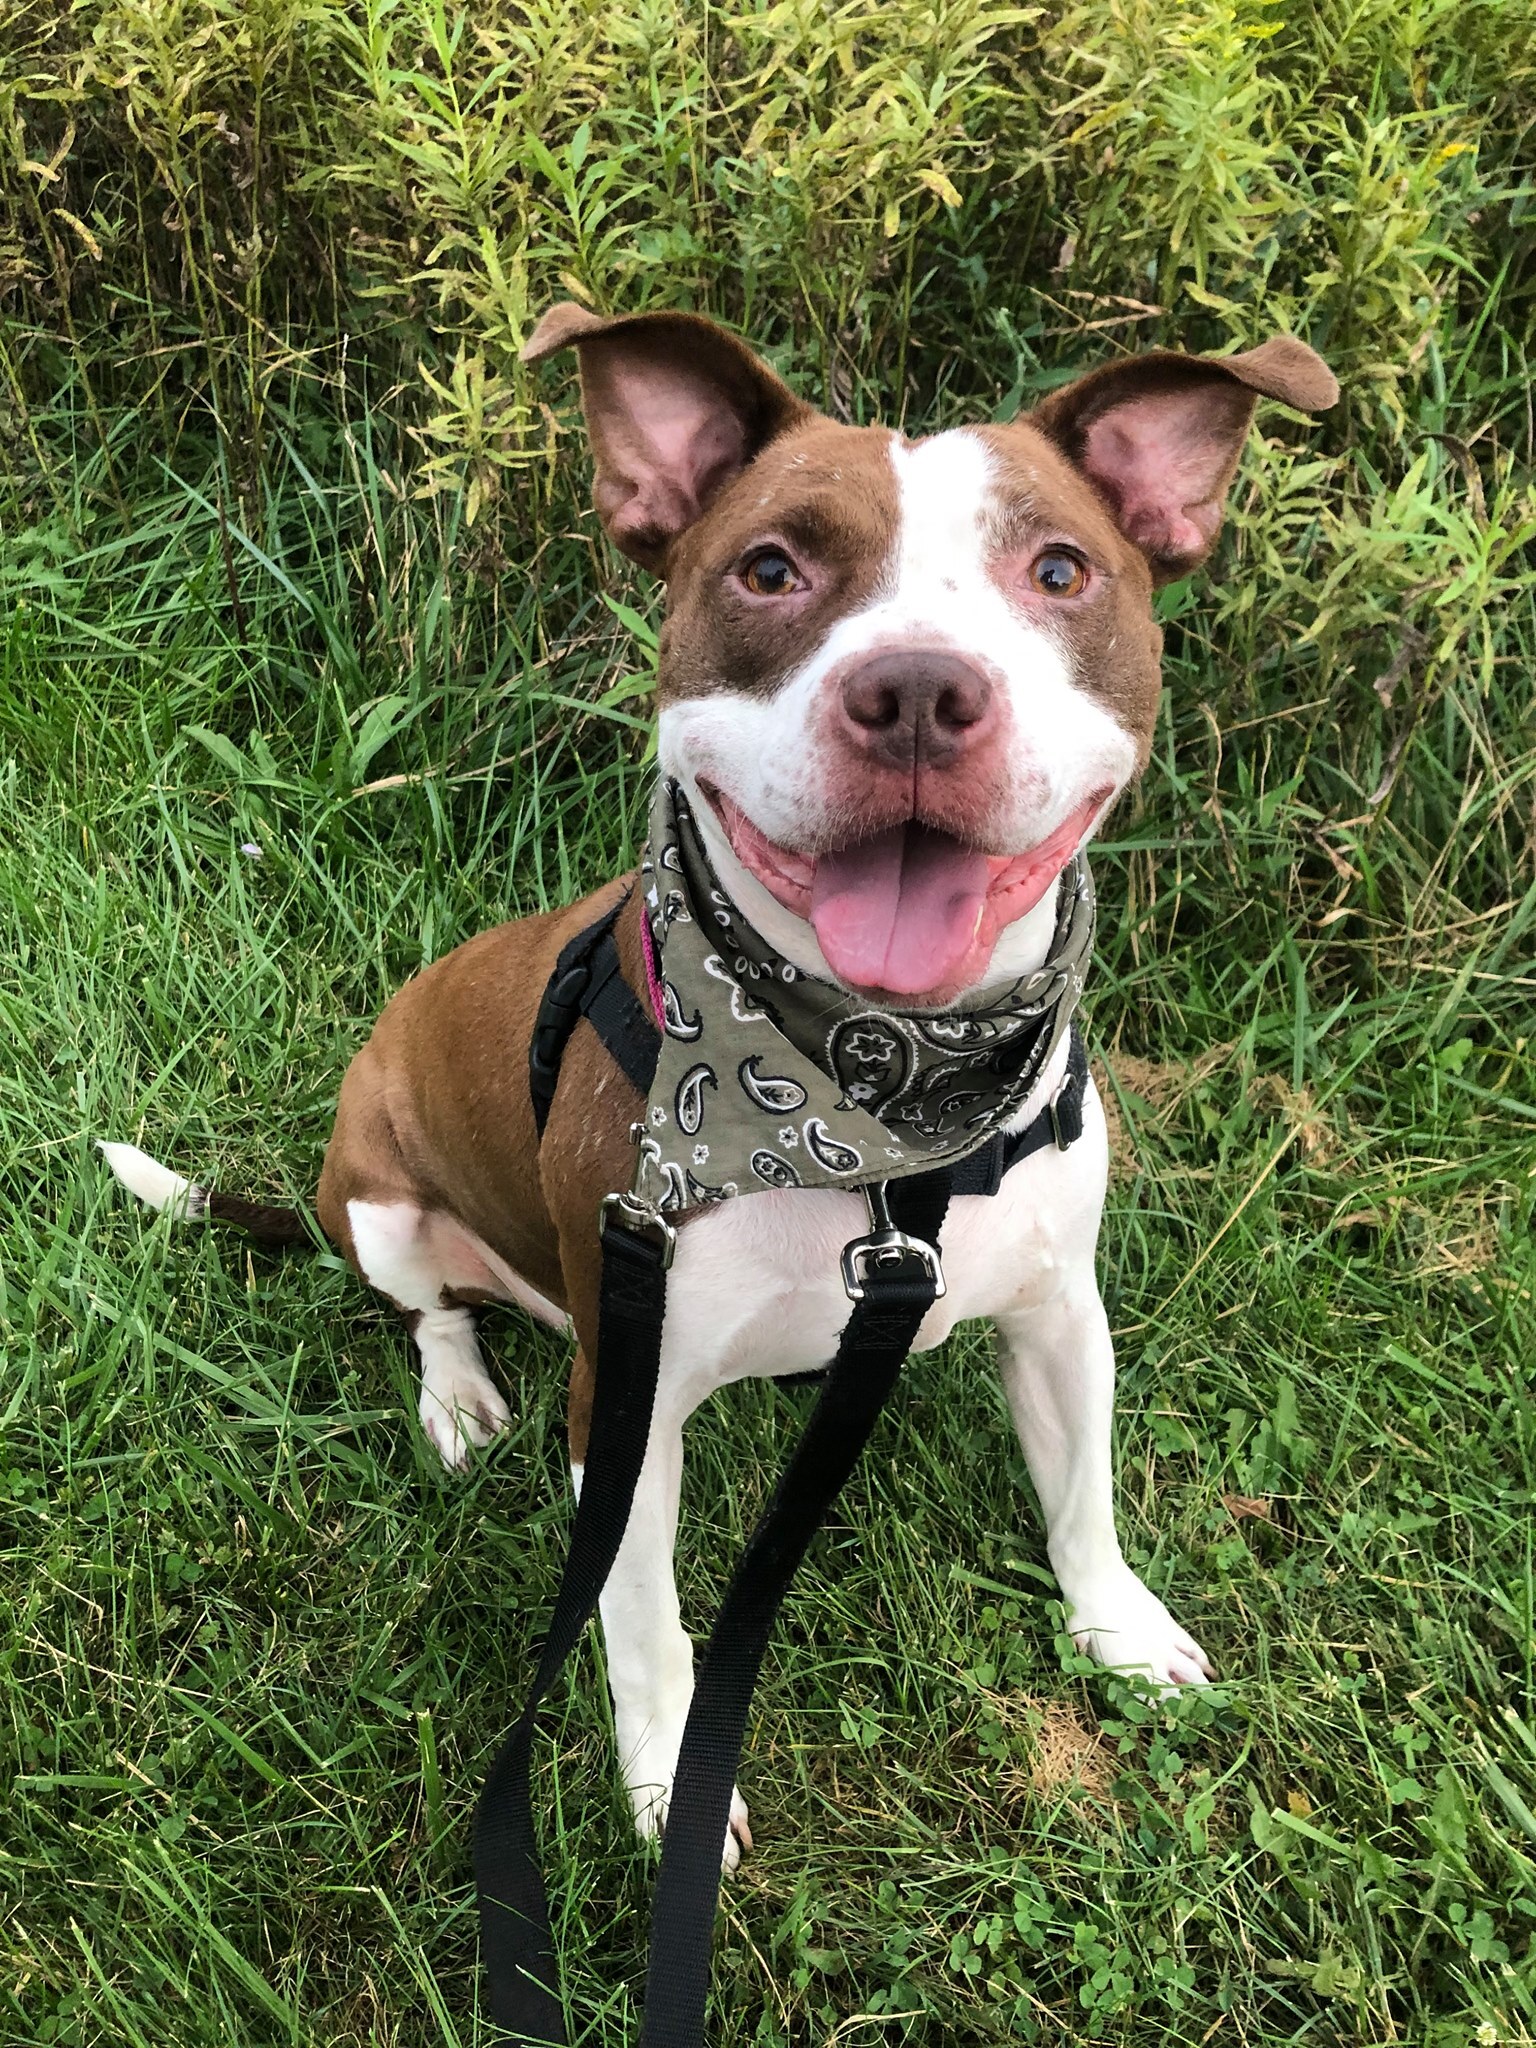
(587, 983)
(893, 1276)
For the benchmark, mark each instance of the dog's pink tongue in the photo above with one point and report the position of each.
(899, 912)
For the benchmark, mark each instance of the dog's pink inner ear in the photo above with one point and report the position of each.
(1158, 436)
(1163, 460)
(666, 439)
(676, 406)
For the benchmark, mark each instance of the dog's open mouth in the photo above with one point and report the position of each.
(912, 911)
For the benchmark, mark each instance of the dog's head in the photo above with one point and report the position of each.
(903, 681)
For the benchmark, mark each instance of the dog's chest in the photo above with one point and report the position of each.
(756, 1286)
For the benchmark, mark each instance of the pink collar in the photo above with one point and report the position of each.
(652, 972)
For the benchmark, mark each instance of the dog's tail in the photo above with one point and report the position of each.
(191, 1203)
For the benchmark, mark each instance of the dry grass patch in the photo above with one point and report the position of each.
(1469, 1240)
(1312, 1128)
(1067, 1752)
(1159, 1086)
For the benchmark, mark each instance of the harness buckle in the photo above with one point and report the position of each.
(1058, 1131)
(641, 1217)
(885, 1246)
(1063, 1141)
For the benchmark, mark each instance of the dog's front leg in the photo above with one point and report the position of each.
(1058, 1368)
(650, 1657)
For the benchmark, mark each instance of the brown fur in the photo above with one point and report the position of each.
(826, 493)
(268, 1225)
(435, 1110)
(1116, 641)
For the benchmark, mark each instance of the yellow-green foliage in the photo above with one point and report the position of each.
(219, 189)
(225, 218)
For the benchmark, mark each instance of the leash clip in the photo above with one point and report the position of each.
(885, 1246)
(642, 1218)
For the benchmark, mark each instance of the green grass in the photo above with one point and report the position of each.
(293, 558)
(261, 1647)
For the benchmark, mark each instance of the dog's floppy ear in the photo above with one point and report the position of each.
(1158, 436)
(675, 408)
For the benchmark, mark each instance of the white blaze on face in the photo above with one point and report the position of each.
(937, 590)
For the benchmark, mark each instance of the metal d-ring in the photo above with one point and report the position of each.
(885, 1246)
(640, 1216)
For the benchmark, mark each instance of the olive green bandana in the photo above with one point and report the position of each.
(769, 1078)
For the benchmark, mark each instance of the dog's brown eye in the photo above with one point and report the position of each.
(771, 574)
(1057, 574)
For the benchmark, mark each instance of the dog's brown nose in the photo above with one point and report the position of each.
(917, 707)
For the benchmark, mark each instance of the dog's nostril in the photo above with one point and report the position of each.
(873, 703)
(959, 704)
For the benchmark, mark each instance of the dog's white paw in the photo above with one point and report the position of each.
(461, 1409)
(1124, 1627)
(650, 1795)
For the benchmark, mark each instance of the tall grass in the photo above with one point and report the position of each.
(312, 663)
(230, 230)
(202, 199)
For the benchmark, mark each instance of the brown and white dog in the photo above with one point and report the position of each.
(901, 683)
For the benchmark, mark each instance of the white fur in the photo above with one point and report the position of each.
(937, 590)
(755, 1292)
(461, 1407)
(416, 1256)
(425, 1251)
(155, 1184)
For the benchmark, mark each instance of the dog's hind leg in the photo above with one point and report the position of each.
(422, 1258)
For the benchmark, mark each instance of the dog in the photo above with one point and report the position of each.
(901, 683)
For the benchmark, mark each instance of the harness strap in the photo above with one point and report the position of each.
(1060, 1123)
(516, 1944)
(588, 982)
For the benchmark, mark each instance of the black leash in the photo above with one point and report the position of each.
(514, 1913)
(875, 1343)
(895, 1276)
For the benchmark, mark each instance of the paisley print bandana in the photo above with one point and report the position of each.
(769, 1078)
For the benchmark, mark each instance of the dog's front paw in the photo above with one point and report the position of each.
(651, 1797)
(461, 1409)
(1124, 1627)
